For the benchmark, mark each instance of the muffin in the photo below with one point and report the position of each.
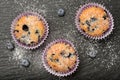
(60, 58)
(94, 21)
(29, 30)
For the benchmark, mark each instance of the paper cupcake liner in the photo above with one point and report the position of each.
(41, 39)
(111, 21)
(53, 72)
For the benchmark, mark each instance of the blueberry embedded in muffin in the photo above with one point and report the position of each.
(60, 58)
(29, 30)
(94, 21)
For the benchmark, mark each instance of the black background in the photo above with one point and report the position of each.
(106, 64)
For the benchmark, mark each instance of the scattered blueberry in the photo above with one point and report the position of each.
(25, 62)
(61, 12)
(10, 45)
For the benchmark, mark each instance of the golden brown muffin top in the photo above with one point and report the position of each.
(61, 57)
(94, 21)
(29, 29)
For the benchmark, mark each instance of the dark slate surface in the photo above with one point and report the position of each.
(106, 64)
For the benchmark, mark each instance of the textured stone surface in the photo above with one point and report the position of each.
(106, 64)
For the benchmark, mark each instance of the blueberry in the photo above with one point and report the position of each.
(53, 54)
(25, 27)
(61, 12)
(56, 60)
(69, 55)
(105, 17)
(25, 63)
(93, 19)
(36, 32)
(88, 23)
(10, 45)
(69, 68)
(16, 31)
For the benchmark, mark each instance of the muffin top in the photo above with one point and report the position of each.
(61, 57)
(94, 21)
(29, 29)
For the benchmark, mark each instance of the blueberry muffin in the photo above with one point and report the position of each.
(29, 30)
(94, 21)
(61, 58)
